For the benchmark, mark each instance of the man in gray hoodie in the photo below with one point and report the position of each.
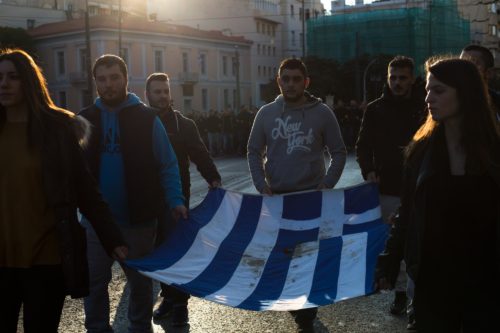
(287, 144)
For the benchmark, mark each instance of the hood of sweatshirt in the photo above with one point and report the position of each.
(132, 99)
(311, 102)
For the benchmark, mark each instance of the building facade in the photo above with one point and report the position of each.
(416, 28)
(202, 65)
(274, 26)
(482, 16)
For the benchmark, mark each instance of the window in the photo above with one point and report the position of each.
(233, 68)
(292, 11)
(301, 14)
(258, 70)
(258, 48)
(158, 61)
(308, 14)
(85, 98)
(226, 97)
(293, 38)
(493, 30)
(82, 58)
(185, 62)
(187, 105)
(204, 99)
(258, 27)
(125, 56)
(224, 65)
(203, 63)
(62, 99)
(60, 63)
(30, 24)
(274, 50)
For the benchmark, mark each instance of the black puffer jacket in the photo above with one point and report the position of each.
(188, 146)
(388, 126)
(69, 185)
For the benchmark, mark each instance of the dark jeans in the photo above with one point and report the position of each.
(304, 316)
(173, 295)
(40, 289)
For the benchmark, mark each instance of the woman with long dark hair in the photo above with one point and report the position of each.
(43, 180)
(451, 204)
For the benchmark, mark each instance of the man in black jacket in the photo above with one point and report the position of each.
(485, 62)
(188, 146)
(388, 125)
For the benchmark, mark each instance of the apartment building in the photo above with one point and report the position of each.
(274, 26)
(202, 65)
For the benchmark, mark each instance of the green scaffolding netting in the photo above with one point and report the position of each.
(418, 32)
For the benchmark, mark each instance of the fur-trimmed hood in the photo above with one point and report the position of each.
(82, 129)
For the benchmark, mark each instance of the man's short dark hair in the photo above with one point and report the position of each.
(109, 60)
(293, 63)
(486, 54)
(402, 62)
(162, 77)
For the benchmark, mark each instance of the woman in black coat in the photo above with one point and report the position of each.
(449, 221)
(43, 180)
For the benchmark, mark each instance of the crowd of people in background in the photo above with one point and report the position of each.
(225, 132)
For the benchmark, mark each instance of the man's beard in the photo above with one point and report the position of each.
(120, 98)
(292, 99)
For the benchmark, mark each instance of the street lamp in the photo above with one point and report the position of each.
(364, 77)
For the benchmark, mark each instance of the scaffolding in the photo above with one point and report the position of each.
(419, 32)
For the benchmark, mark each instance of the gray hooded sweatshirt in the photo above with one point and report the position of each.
(293, 141)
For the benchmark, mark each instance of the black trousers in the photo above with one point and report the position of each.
(40, 290)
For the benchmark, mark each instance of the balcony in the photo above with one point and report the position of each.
(189, 78)
(78, 77)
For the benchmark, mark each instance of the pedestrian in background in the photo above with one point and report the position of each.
(131, 156)
(388, 126)
(188, 146)
(485, 62)
(43, 180)
(291, 134)
(450, 213)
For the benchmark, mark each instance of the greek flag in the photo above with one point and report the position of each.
(280, 252)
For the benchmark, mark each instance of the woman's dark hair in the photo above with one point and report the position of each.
(480, 133)
(34, 87)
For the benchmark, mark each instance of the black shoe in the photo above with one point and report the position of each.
(163, 310)
(398, 306)
(180, 316)
(307, 327)
(412, 323)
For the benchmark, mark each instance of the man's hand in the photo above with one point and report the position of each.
(372, 177)
(120, 253)
(266, 190)
(321, 187)
(382, 284)
(215, 183)
(179, 211)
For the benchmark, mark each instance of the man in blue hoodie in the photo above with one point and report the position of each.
(130, 155)
(292, 133)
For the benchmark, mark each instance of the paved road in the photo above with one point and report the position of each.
(361, 315)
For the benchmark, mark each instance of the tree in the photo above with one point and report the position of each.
(16, 38)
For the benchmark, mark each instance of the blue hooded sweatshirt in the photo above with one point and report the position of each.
(112, 170)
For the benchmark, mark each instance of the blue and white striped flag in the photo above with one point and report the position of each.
(281, 252)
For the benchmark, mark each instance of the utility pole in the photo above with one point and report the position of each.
(364, 77)
(88, 66)
(429, 37)
(120, 28)
(237, 69)
(303, 30)
(357, 71)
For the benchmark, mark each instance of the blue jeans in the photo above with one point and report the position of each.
(141, 242)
